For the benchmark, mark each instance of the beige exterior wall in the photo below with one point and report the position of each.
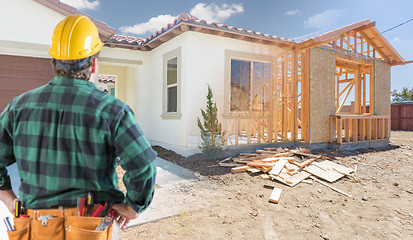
(382, 104)
(322, 96)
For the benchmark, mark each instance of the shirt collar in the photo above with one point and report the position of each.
(71, 82)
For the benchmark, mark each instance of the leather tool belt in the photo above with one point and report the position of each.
(59, 224)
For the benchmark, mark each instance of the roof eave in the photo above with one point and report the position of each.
(105, 31)
(185, 26)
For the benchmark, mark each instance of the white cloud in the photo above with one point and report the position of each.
(211, 13)
(83, 4)
(396, 39)
(325, 19)
(215, 13)
(293, 12)
(153, 25)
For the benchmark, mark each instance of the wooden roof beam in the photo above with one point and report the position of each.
(374, 45)
(334, 35)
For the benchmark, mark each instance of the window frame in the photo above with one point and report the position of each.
(241, 56)
(177, 53)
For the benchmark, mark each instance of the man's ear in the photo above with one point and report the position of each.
(95, 65)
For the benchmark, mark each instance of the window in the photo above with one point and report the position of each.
(171, 86)
(250, 90)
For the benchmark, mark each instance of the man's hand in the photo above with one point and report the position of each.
(126, 213)
(9, 199)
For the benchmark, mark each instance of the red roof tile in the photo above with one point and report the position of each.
(106, 78)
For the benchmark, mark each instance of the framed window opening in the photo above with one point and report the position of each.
(172, 84)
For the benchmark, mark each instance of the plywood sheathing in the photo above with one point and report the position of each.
(382, 88)
(322, 95)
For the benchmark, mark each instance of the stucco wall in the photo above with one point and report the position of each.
(382, 88)
(322, 96)
(27, 21)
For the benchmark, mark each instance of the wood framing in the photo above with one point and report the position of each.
(278, 107)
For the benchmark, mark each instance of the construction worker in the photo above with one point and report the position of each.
(66, 136)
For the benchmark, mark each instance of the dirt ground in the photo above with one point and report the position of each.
(235, 206)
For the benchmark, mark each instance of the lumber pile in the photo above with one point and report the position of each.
(289, 167)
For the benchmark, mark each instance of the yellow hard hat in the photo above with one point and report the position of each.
(75, 37)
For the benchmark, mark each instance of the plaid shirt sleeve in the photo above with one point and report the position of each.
(6, 149)
(137, 159)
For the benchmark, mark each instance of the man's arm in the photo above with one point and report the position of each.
(9, 199)
(6, 158)
(137, 159)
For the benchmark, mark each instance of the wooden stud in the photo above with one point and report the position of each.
(355, 137)
(386, 128)
(347, 130)
(339, 131)
(362, 125)
(368, 128)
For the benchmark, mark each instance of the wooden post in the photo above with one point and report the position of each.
(305, 96)
(357, 102)
(294, 84)
(339, 131)
(355, 137)
(285, 98)
(236, 128)
(347, 130)
(372, 90)
(368, 128)
(362, 128)
(374, 127)
(386, 128)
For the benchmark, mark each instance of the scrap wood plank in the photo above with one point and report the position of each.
(278, 167)
(275, 195)
(293, 180)
(305, 154)
(265, 176)
(260, 164)
(282, 180)
(239, 169)
(270, 159)
(291, 167)
(333, 188)
(227, 162)
(248, 155)
(329, 165)
(328, 175)
(253, 170)
(297, 178)
(274, 153)
(306, 163)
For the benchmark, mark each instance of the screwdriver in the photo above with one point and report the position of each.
(89, 203)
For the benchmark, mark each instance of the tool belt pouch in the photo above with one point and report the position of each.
(22, 229)
(85, 228)
(52, 228)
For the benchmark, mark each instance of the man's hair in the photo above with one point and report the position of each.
(79, 68)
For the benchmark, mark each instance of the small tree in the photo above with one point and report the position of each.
(211, 129)
(404, 95)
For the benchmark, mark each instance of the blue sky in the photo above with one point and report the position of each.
(292, 18)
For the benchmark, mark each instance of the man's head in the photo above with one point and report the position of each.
(75, 47)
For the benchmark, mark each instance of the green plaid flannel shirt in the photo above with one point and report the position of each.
(65, 137)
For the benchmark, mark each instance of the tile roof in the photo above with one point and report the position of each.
(117, 38)
(106, 78)
(187, 18)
